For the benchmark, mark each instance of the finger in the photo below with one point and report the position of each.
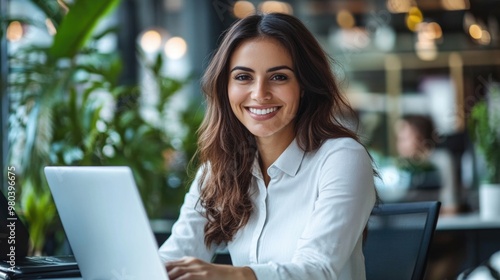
(180, 262)
(184, 269)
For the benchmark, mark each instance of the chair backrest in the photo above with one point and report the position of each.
(398, 240)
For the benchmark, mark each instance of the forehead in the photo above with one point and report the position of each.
(261, 52)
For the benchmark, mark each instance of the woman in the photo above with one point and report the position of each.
(433, 176)
(283, 185)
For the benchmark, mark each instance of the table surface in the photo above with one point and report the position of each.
(467, 221)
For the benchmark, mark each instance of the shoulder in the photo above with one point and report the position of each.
(339, 151)
(344, 144)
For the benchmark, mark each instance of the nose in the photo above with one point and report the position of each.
(261, 91)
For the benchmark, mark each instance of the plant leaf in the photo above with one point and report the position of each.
(77, 26)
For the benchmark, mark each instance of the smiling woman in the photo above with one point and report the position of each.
(263, 91)
(282, 184)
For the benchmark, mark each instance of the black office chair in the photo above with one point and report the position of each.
(398, 240)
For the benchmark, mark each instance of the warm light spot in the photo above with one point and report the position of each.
(15, 31)
(413, 18)
(398, 6)
(412, 22)
(50, 27)
(242, 9)
(426, 50)
(415, 11)
(345, 19)
(151, 41)
(175, 48)
(454, 5)
(275, 7)
(475, 31)
(430, 30)
(436, 29)
(485, 37)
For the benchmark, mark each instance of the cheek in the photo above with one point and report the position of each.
(293, 102)
(235, 94)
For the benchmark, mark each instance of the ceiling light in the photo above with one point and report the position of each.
(475, 31)
(345, 19)
(275, 7)
(242, 9)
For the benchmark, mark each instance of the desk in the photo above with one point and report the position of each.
(470, 221)
(464, 241)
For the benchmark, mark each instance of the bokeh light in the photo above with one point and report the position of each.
(398, 6)
(475, 31)
(175, 48)
(243, 9)
(430, 30)
(345, 19)
(485, 37)
(413, 18)
(455, 5)
(15, 31)
(275, 7)
(426, 50)
(151, 41)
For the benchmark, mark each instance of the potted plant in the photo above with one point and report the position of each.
(68, 108)
(485, 131)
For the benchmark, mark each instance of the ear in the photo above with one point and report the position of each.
(302, 93)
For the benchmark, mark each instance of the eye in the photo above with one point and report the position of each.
(279, 77)
(242, 77)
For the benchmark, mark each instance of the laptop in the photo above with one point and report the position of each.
(106, 223)
(14, 244)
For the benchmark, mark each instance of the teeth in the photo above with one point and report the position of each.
(263, 111)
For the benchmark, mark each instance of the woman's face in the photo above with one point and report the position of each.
(263, 90)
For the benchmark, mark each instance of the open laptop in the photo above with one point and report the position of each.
(14, 244)
(105, 222)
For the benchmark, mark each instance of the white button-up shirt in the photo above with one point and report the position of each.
(307, 223)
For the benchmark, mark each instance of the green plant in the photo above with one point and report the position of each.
(485, 133)
(68, 108)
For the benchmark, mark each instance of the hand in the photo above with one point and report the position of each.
(189, 268)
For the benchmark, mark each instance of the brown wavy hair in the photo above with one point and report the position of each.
(227, 149)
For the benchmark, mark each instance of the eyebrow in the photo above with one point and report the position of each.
(272, 69)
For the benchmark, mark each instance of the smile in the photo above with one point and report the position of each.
(261, 112)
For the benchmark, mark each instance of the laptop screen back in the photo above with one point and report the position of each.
(105, 222)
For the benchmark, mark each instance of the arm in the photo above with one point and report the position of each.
(187, 237)
(185, 254)
(345, 199)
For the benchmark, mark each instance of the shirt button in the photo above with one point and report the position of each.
(272, 171)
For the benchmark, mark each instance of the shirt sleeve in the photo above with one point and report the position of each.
(187, 237)
(346, 196)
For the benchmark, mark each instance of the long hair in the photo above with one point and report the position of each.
(227, 149)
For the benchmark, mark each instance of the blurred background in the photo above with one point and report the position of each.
(117, 83)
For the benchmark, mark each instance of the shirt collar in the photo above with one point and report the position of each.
(289, 161)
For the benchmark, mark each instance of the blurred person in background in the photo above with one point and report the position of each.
(431, 168)
(432, 177)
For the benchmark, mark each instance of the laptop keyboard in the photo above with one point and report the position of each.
(47, 260)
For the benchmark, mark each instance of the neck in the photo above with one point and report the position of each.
(269, 152)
